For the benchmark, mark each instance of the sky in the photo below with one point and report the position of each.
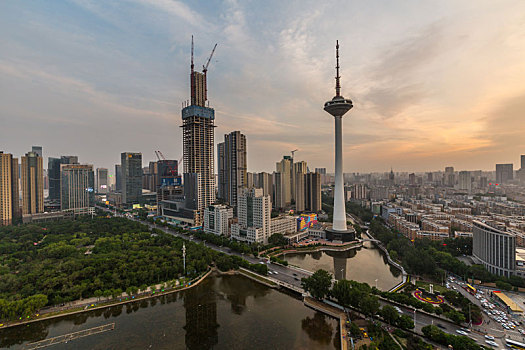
(434, 83)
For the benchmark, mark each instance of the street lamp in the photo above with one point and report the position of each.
(184, 256)
(376, 283)
(342, 276)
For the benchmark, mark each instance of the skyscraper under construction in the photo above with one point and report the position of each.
(198, 145)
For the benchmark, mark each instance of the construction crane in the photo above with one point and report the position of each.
(293, 152)
(205, 67)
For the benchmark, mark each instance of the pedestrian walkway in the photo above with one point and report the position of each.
(70, 336)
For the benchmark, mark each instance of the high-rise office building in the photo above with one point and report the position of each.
(254, 211)
(32, 184)
(232, 167)
(131, 181)
(37, 150)
(321, 171)
(278, 199)
(102, 181)
(285, 168)
(465, 181)
(69, 160)
(313, 192)
(300, 170)
(265, 181)
(9, 193)
(53, 173)
(198, 123)
(412, 178)
(521, 173)
(250, 180)
(118, 178)
(77, 188)
(504, 173)
(495, 247)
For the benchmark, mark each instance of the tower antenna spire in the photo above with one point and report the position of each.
(192, 65)
(337, 77)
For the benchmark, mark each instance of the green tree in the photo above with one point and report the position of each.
(277, 239)
(318, 285)
(369, 305)
(354, 330)
(342, 291)
(405, 322)
(389, 314)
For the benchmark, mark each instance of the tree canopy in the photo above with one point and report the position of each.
(318, 284)
(66, 260)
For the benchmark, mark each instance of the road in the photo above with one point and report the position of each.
(422, 320)
(489, 325)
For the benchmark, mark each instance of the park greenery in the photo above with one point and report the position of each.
(58, 262)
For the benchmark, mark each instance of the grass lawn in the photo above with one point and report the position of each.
(437, 288)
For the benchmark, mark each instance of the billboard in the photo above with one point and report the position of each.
(170, 181)
(305, 221)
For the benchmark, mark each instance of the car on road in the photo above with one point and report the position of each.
(492, 343)
(275, 272)
(294, 274)
(489, 337)
(441, 326)
(459, 331)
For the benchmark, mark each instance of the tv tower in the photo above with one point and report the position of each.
(337, 107)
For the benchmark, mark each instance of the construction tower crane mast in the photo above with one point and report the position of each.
(293, 152)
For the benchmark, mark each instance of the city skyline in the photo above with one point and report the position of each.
(439, 90)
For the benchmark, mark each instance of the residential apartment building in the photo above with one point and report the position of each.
(9, 190)
(32, 179)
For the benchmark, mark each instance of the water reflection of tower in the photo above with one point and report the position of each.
(340, 261)
(201, 321)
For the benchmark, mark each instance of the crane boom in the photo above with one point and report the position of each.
(161, 155)
(205, 67)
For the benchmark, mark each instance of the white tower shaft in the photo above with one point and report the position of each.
(339, 222)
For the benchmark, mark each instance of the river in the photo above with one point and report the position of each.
(364, 264)
(223, 312)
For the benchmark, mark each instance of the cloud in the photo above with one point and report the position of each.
(175, 8)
